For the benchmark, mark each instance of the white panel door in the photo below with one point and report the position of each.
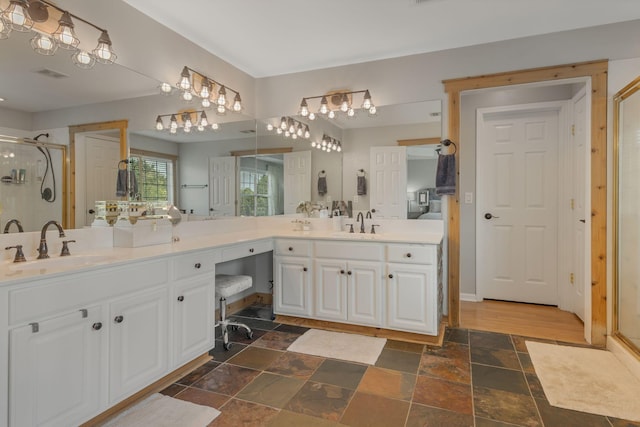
(516, 254)
(101, 159)
(297, 179)
(222, 186)
(388, 182)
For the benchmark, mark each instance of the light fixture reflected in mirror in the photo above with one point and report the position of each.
(290, 128)
(193, 84)
(338, 102)
(187, 121)
(33, 15)
(327, 144)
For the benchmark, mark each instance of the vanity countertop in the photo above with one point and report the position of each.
(12, 273)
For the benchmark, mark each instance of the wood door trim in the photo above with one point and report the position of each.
(418, 141)
(597, 72)
(120, 125)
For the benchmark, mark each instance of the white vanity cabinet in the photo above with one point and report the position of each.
(71, 355)
(138, 342)
(348, 291)
(193, 303)
(56, 368)
(292, 278)
(412, 284)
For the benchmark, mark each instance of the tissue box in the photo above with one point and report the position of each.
(145, 232)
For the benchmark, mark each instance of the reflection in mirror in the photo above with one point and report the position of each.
(394, 127)
(423, 202)
(627, 218)
(31, 183)
(208, 163)
(310, 173)
(46, 94)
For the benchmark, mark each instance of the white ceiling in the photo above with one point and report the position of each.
(267, 38)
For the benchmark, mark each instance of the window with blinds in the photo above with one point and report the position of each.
(254, 193)
(155, 177)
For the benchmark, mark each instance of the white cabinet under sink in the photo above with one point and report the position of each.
(348, 291)
(292, 279)
(56, 369)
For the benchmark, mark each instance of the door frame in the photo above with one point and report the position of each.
(120, 125)
(596, 71)
(561, 108)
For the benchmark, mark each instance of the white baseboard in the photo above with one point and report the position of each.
(624, 355)
(469, 297)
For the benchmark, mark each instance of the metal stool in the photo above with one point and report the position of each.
(226, 286)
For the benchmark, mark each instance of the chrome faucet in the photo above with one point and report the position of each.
(16, 222)
(43, 251)
(360, 218)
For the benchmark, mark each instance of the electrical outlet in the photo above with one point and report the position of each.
(468, 197)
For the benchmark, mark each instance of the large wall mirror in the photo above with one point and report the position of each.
(627, 215)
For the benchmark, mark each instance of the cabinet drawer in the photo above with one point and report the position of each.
(293, 247)
(414, 254)
(349, 250)
(246, 249)
(43, 298)
(195, 263)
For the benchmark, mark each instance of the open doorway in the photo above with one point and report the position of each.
(595, 74)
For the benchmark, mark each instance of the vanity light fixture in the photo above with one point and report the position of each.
(195, 84)
(188, 120)
(33, 15)
(327, 144)
(290, 128)
(341, 101)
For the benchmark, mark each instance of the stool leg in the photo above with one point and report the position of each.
(223, 324)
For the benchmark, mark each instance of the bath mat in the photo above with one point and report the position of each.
(163, 411)
(586, 380)
(338, 345)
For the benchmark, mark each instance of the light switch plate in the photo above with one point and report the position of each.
(356, 199)
(468, 197)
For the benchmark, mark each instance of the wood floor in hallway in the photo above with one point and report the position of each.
(522, 319)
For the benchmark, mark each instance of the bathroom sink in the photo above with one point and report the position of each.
(58, 262)
(355, 236)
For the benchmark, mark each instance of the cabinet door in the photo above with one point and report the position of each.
(193, 318)
(411, 298)
(55, 370)
(292, 287)
(330, 289)
(138, 342)
(364, 284)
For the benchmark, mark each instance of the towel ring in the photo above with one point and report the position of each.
(123, 163)
(361, 171)
(322, 173)
(448, 142)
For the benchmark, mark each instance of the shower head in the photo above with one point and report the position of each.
(42, 134)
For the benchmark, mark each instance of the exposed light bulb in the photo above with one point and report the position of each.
(351, 112)
(159, 124)
(283, 123)
(173, 131)
(203, 120)
(344, 104)
(312, 116)
(279, 131)
(221, 110)
(215, 126)
(366, 104)
(287, 134)
(294, 136)
(173, 122)
(200, 127)
(269, 127)
(237, 103)
(43, 44)
(186, 129)
(304, 108)
(332, 114)
(187, 96)
(324, 106)
(307, 134)
(313, 144)
(222, 96)
(205, 103)
(16, 16)
(185, 80)
(103, 52)
(373, 110)
(204, 90)
(65, 33)
(83, 59)
(166, 88)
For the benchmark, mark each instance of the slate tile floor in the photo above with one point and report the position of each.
(480, 379)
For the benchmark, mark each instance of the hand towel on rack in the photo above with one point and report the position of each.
(322, 185)
(133, 184)
(362, 185)
(121, 183)
(446, 174)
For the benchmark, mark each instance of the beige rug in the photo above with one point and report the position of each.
(586, 380)
(338, 345)
(158, 410)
